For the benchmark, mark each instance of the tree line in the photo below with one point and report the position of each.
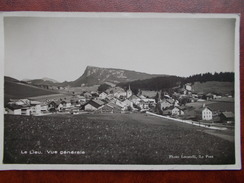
(168, 82)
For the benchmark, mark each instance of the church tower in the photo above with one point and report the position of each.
(128, 92)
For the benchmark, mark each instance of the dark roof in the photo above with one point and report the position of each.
(133, 97)
(180, 107)
(202, 108)
(14, 106)
(94, 104)
(169, 108)
(228, 114)
(114, 105)
(99, 102)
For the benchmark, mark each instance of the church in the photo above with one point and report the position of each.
(128, 93)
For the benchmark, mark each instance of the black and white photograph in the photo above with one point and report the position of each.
(119, 91)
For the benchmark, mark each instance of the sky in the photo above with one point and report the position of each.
(62, 47)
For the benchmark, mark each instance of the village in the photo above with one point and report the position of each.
(183, 103)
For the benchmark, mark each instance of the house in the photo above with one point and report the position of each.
(177, 111)
(167, 111)
(44, 108)
(190, 113)
(227, 117)
(116, 108)
(87, 95)
(105, 109)
(135, 100)
(121, 104)
(128, 103)
(60, 106)
(166, 103)
(201, 95)
(94, 94)
(21, 102)
(144, 105)
(205, 113)
(60, 88)
(93, 105)
(103, 95)
(188, 86)
(142, 97)
(74, 111)
(176, 103)
(115, 90)
(66, 103)
(120, 94)
(52, 106)
(26, 111)
(14, 109)
(209, 96)
(81, 99)
(35, 109)
(148, 100)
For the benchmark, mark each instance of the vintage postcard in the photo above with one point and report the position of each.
(119, 91)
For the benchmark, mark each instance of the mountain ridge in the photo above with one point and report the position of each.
(98, 75)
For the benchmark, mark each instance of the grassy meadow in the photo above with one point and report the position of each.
(111, 139)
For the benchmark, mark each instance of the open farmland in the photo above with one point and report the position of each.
(214, 86)
(13, 90)
(216, 105)
(110, 139)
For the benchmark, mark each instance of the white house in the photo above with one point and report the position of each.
(23, 102)
(207, 114)
(177, 111)
(103, 95)
(136, 100)
(87, 95)
(166, 103)
(118, 94)
(60, 107)
(14, 109)
(121, 104)
(26, 111)
(188, 86)
(36, 109)
(93, 105)
(128, 103)
(44, 107)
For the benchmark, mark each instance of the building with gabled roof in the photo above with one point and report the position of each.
(166, 103)
(228, 117)
(13, 109)
(205, 113)
(103, 95)
(178, 111)
(93, 105)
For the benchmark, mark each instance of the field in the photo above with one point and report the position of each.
(214, 87)
(111, 139)
(216, 105)
(14, 90)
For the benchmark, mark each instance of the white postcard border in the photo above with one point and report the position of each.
(236, 166)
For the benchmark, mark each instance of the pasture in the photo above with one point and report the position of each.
(216, 105)
(111, 139)
(214, 86)
(14, 90)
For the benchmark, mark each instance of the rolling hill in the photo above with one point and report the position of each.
(14, 89)
(43, 81)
